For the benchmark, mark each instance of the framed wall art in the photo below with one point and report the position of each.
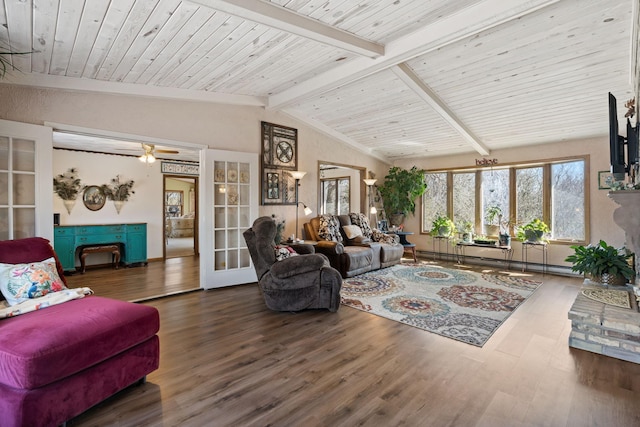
(93, 198)
(278, 187)
(279, 155)
(604, 180)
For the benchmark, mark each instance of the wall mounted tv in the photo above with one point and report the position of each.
(623, 149)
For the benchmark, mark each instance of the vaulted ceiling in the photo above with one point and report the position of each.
(394, 78)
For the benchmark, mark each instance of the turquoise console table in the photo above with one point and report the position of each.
(132, 238)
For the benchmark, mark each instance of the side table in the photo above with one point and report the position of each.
(408, 246)
(440, 239)
(542, 246)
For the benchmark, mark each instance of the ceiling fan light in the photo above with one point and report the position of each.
(147, 158)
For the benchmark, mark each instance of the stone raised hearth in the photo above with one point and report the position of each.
(605, 329)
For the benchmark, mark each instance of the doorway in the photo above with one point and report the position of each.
(180, 214)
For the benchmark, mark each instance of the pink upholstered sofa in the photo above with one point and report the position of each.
(57, 362)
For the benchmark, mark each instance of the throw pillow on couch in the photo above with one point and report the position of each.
(21, 282)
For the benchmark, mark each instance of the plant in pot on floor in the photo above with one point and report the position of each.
(602, 263)
(443, 226)
(399, 191)
(535, 231)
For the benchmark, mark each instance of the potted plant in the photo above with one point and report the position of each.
(504, 237)
(399, 191)
(466, 229)
(602, 263)
(67, 186)
(491, 217)
(442, 226)
(534, 231)
(118, 191)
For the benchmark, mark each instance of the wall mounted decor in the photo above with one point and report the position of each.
(279, 156)
(180, 168)
(93, 198)
(278, 187)
(605, 178)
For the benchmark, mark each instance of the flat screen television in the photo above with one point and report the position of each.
(616, 142)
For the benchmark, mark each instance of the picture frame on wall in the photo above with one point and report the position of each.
(278, 187)
(279, 156)
(605, 178)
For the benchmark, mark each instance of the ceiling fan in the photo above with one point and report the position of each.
(150, 151)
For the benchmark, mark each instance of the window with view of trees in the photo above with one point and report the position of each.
(335, 194)
(553, 192)
(437, 195)
(464, 198)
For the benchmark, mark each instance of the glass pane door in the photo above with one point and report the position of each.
(25, 149)
(229, 209)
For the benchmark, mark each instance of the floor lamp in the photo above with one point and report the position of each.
(298, 175)
(372, 209)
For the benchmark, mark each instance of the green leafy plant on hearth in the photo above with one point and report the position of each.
(601, 259)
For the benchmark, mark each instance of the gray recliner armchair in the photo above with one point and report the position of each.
(294, 283)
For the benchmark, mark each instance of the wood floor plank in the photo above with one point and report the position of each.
(227, 360)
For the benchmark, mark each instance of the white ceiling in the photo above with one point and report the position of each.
(394, 78)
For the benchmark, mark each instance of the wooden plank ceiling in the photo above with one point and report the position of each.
(394, 78)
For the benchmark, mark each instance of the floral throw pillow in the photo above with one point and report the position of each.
(284, 252)
(361, 221)
(21, 282)
(379, 236)
(329, 228)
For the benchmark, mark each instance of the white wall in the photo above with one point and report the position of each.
(600, 206)
(224, 127)
(96, 169)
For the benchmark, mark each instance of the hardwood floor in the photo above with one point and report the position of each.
(226, 360)
(139, 283)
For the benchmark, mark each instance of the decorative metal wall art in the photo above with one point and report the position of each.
(279, 156)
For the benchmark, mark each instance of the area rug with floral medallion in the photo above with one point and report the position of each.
(454, 303)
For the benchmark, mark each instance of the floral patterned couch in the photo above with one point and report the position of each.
(351, 245)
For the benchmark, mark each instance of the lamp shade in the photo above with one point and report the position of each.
(297, 174)
(373, 210)
(369, 182)
(307, 211)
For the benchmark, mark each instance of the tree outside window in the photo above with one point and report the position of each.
(434, 200)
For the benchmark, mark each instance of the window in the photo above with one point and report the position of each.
(553, 191)
(335, 194)
(567, 199)
(464, 198)
(495, 191)
(436, 194)
(529, 199)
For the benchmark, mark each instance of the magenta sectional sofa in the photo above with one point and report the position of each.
(57, 362)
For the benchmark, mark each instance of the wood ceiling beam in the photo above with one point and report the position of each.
(465, 23)
(414, 83)
(280, 18)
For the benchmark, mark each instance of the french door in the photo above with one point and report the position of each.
(229, 205)
(26, 191)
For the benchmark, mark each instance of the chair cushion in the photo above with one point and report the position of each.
(44, 346)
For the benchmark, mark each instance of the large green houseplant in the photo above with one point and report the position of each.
(602, 263)
(399, 191)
